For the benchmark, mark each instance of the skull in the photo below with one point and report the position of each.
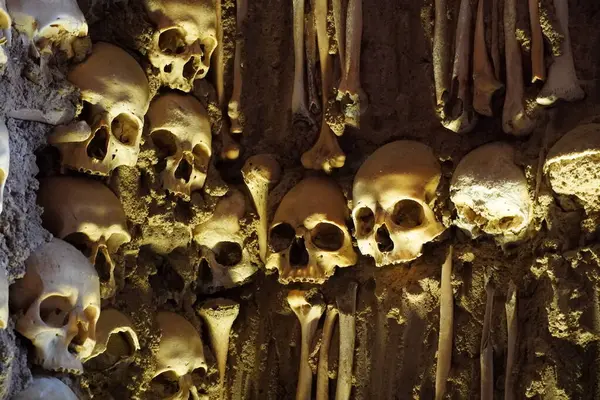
(60, 300)
(115, 95)
(180, 352)
(4, 159)
(308, 237)
(392, 192)
(184, 40)
(226, 260)
(180, 129)
(46, 388)
(490, 194)
(88, 215)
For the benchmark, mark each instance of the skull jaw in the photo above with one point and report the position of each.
(313, 272)
(51, 349)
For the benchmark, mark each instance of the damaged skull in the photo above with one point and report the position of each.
(115, 95)
(60, 300)
(308, 237)
(184, 40)
(88, 215)
(180, 130)
(392, 191)
(490, 194)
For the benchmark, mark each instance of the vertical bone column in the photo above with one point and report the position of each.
(347, 308)
(236, 96)
(446, 328)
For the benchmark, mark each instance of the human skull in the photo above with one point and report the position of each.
(4, 159)
(490, 194)
(60, 300)
(392, 193)
(180, 352)
(308, 237)
(180, 129)
(88, 215)
(46, 388)
(226, 260)
(115, 95)
(184, 40)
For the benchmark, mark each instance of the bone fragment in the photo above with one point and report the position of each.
(538, 68)
(486, 357)
(230, 149)
(484, 82)
(299, 108)
(308, 314)
(347, 309)
(218, 58)
(259, 172)
(495, 39)
(219, 315)
(562, 83)
(310, 35)
(3, 299)
(515, 120)
(323, 367)
(236, 95)
(511, 325)
(446, 321)
(441, 55)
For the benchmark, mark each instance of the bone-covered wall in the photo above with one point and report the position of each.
(233, 199)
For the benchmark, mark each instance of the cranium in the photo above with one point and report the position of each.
(88, 215)
(184, 40)
(180, 129)
(226, 259)
(60, 300)
(490, 194)
(308, 237)
(115, 95)
(46, 388)
(392, 192)
(4, 159)
(180, 352)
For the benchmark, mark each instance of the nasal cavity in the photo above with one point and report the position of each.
(98, 146)
(384, 242)
(183, 171)
(298, 253)
(103, 266)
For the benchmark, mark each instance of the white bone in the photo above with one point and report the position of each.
(299, 108)
(486, 357)
(260, 172)
(441, 55)
(3, 298)
(562, 83)
(4, 159)
(323, 367)
(511, 347)
(538, 69)
(219, 58)
(347, 309)
(444, 353)
(308, 314)
(46, 388)
(236, 95)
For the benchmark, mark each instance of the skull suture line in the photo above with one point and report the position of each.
(180, 129)
(308, 237)
(184, 40)
(60, 298)
(115, 95)
(88, 215)
(392, 192)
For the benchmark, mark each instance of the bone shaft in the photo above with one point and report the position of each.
(323, 367)
(311, 59)
(234, 103)
(441, 52)
(514, 74)
(218, 57)
(511, 322)
(323, 45)
(347, 309)
(340, 33)
(446, 328)
(304, 389)
(487, 352)
(353, 43)
(463, 42)
(537, 43)
(298, 17)
(495, 39)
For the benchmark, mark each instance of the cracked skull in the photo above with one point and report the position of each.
(392, 193)
(60, 300)
(180, 130)
(308, 237)
(88, 215)
(184, 40)
(115, 96)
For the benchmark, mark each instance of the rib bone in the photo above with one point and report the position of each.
(446, 321)
(299, 109)
(347, 309)
(486, 357)
(511, 325)
(236, 95)
(538, 68)
(323, 367)
(441, 55)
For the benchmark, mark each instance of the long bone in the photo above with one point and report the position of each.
(299, 108)
(347, 308)
(340, 33)
(310, 35)
(323, 367)
(446, 322)
(308, 314)
(495, 40)
(3, 299)
(486, 357)
(236, 95)
(441, 55)
(562, 83)
(538, 68)
(511, 325)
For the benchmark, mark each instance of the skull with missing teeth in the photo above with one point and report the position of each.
(184, 40)
(180, 130)
(309, 237)
(115, 95)
(392, 193)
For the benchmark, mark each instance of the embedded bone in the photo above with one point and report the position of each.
(460, 117)
(511, 347)
(219, 315)
(323, 366)
(115, 94)
(88, 215)
(444, 353)
(310, 34)
(347, 309)
(495, 50)
(326, 153)
(515, 120)
(340, 33)
(179, 128)
(236, 96)
(4, 159)
(491, 195)
(60, 300)
(299, 108)
(441, 55)
(392, 193)
(46, 388)
(49, 24)
(486, 357)
(260, 172)
(184, 40)
(308, 237)
(485, 84)
(562, 83)
(218, 61)
(309, 311)
(537, 43)
(3, 298)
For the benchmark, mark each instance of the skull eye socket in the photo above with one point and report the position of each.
(172, 42)
(167, 384)
(365, 221)
(55, 310)
(328, 237)
(125, 128)
(165, 142)
(228, 253)
(281, 237)
(408, 214)
(80, 242)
